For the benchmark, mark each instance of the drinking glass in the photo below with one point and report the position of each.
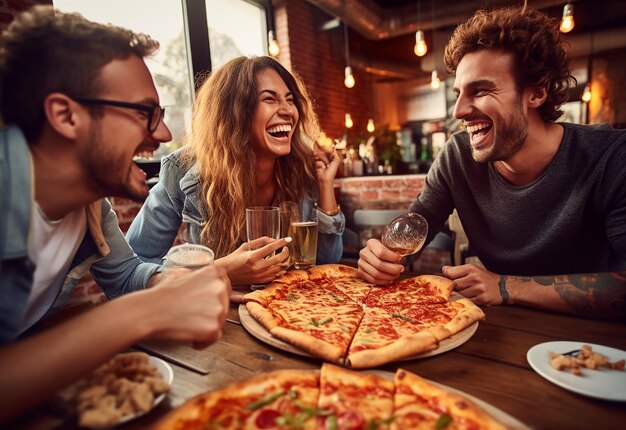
(188, 256)
(405, 234)
(262, 221)
(303, 232)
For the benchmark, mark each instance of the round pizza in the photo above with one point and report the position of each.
(333, 398)
(330, 312)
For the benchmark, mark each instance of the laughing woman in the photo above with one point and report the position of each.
(252, 144)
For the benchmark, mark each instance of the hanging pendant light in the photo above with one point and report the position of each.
(272, 46)
(435, 82)
(349, 80)
(567, 22)
(349, 122)
(370, 125)
(420, 48)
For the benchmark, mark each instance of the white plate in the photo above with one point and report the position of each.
(258, 331)
(67, 395)
(600, 383)
(168, 376)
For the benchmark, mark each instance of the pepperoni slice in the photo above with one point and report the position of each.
(267, 419)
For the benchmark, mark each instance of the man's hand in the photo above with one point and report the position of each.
(190, 306)
(478, 285)
(377, 264)
(248, 265)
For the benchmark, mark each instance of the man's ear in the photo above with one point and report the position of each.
(62, 114)
(537, 97)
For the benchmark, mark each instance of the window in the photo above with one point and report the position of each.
(195, 36)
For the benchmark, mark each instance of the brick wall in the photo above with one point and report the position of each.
(319, 58)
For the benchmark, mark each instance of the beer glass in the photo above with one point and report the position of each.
(303, 232)
(188, 256)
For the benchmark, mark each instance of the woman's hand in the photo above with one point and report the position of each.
(248, 265)
(326, 163)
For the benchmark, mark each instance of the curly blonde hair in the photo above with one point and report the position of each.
(220, 147)
(534, 39)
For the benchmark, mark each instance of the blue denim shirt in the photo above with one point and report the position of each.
(103, 251)
(175, 199)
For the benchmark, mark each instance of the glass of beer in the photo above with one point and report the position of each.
(303, 231)
(188, 256)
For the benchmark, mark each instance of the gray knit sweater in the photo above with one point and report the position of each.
(572, 219)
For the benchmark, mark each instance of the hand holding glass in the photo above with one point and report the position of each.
(405, 234)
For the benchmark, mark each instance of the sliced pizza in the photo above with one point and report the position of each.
(443, 319)
(421, 405)
(354, 400)
(417, 291)
(284, 399)
(383, 337)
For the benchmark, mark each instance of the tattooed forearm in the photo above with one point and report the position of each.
(591, 294)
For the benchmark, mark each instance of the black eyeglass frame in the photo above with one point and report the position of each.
(151, 109)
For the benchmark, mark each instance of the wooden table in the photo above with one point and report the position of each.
(491, 366)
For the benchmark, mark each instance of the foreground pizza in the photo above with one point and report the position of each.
(331, 313)
(333, 399)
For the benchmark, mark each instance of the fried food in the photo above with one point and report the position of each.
(586, 357)
(124, 386)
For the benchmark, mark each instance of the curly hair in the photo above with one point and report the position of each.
(44, 51)
(539, 50)
(220, 147)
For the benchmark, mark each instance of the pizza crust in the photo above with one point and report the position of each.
(332, 271)
(405, 346)
(309, 343)
(468, 316)
(262, 315)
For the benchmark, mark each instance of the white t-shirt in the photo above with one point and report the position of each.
(51, 246)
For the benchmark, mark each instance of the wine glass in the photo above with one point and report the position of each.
(405, 234)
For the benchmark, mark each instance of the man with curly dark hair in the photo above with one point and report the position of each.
(542, 203)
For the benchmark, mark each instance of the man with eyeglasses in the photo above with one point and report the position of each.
(78, 103)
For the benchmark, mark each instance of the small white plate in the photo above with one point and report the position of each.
(600, 383)
(168, 376)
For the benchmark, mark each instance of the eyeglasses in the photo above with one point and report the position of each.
(154, 111)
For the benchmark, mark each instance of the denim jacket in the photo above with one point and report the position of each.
(103, 251)
(175, 199)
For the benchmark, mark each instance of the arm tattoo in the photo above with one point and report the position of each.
(503, 292)
(591, 294)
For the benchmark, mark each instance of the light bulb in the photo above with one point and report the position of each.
(567, 22)
(420, 44)
(273, 47)
(349, 81)
(435, 82)
(349, 122)
(370, 125)
(586, 97)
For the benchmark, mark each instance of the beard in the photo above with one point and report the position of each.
(509, 138)
(110, 172)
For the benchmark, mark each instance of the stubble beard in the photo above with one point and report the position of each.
(110, 173)
(509, 139)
